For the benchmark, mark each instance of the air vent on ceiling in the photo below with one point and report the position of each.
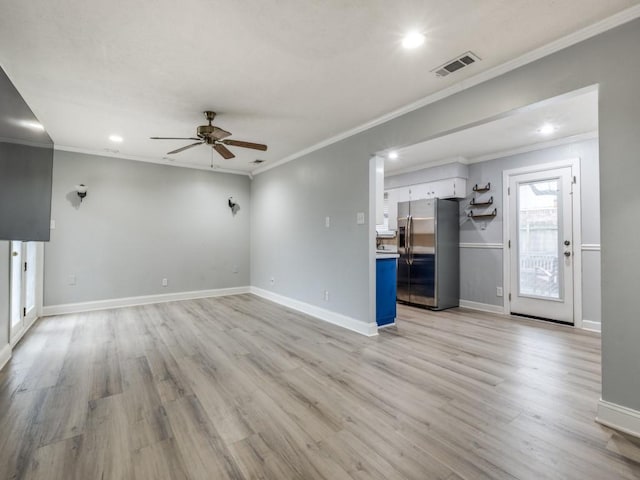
(258, 162)
(456, 64)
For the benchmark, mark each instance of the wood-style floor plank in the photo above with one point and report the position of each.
(241, 388)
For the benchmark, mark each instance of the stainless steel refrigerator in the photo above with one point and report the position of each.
(429, 248)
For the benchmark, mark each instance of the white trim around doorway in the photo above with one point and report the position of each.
(39, 297)
(574, 163)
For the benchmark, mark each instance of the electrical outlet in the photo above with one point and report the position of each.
(326, 295)
(360, 218)
(71, 280)
(165, 282)
(272, 280)
(498, 291)
(327, 222)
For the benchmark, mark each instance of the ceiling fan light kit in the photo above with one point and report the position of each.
(215, 137)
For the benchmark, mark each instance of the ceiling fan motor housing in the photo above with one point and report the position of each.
(205, 130)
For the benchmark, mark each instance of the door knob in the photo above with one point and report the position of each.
(15, 254)
(567, 243)
(567, 254)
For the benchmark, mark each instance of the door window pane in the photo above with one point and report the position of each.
(539, 239)
(30, 280)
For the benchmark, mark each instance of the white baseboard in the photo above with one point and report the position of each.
(5, 355)
(591, 326)
(482, 307)
(368, 329)
(320, 313)
(142, 300)
(387, 325)
(618, 417)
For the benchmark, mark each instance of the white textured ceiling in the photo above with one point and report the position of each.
(572, 116)
(289, 73)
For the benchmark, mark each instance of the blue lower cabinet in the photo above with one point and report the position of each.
(385, 291)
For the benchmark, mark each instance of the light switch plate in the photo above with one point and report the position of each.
(53, 225)
(327, 222)
(360, 218)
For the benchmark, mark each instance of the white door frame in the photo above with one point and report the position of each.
(39, 292)
(39, 279)
(574, 163)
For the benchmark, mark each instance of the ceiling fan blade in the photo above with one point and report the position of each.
(224, 151)
(239, 143)
(219, 133)
(173, 138)
(184, 148)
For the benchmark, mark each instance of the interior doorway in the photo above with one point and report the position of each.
(556, 133)
(25, 291)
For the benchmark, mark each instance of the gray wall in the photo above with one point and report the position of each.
(140, 223)
(4, 292)
(289, 205)
(491, 171)
(594, 61)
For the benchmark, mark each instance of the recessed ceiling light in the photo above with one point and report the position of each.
(412, 39)
(392, 156)
(32, 125)
(115, 138)
(546, 129)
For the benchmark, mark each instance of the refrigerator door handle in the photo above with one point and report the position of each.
(408, 240)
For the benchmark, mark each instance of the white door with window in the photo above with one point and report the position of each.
(540, 243)
(24, 264)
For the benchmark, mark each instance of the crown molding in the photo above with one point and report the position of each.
(578, 36)
(138, 158)
(581, 137)
(422, 166)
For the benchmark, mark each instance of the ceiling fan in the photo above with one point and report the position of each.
(212, 135)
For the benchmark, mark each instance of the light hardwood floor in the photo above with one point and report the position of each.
(238, 387)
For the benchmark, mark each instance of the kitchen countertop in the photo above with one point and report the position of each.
(381, 255)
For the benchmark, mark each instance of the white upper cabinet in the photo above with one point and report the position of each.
(449, 188)
(420, 191)
(395, 196)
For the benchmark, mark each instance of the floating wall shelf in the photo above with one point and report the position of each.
(479, 189)
(481, 204)
(482, 215)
